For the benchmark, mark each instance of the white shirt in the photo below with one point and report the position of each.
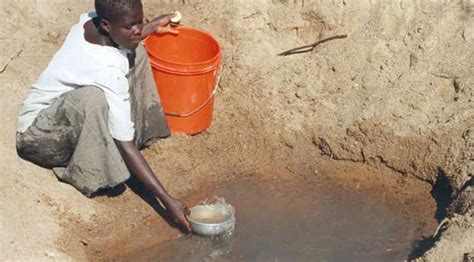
(79, 63)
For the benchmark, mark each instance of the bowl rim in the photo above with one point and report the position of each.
(211, 224)
(228, 218)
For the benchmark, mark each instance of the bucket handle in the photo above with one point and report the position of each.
(218, 79)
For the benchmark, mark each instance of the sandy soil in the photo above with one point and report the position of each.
(396, 96)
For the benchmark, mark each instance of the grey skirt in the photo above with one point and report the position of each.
(71, 136)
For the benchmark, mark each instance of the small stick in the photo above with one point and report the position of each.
(441, 224)
(4, 67)
(309, 48)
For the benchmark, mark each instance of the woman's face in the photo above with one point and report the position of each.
(126, 31)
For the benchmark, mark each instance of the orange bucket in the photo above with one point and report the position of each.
(186, 68)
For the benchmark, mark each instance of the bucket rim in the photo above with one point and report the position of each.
(216, 57)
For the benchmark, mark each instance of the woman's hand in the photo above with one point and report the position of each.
(159, 25)
(163, 25)
(178, 211)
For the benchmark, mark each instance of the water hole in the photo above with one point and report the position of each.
(298, 220)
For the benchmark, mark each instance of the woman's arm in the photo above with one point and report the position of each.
(140, 169)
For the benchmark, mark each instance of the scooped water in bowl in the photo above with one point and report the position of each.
(201, 215)
(212, 218)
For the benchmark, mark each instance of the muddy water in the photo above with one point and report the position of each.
(298, 221)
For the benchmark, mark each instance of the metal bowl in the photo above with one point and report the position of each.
(208, 221)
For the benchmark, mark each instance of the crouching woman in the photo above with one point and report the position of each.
(95, 105)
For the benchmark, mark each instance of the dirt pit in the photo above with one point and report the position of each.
(301, 219)
(387, 110)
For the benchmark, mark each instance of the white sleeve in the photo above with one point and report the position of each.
(115, 86)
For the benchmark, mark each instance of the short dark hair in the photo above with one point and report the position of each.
(113, 9)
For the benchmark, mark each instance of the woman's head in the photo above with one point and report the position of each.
(122, 20)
